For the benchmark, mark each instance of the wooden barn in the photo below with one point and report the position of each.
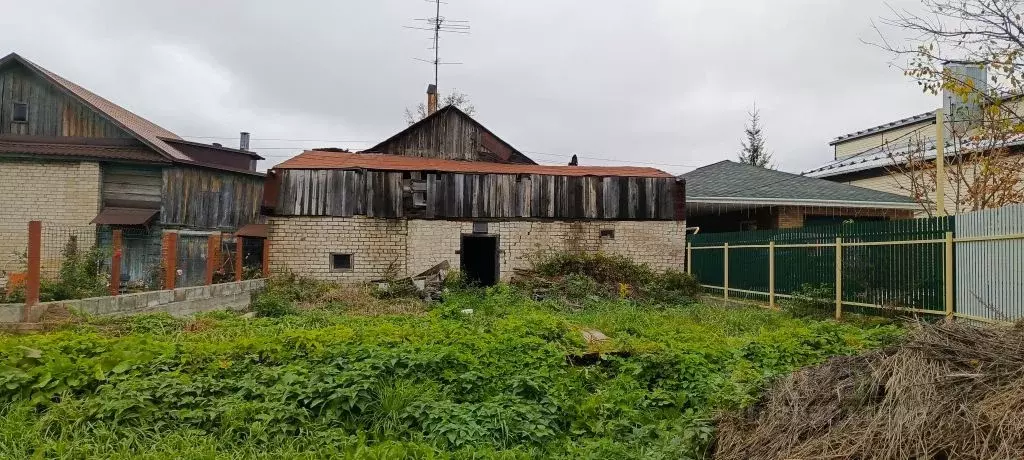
(75, 161)
(448, 190)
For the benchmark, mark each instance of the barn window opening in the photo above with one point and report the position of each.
(341, 262)
(20, 112)
(607, 234)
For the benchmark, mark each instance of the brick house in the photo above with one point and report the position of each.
(729, 196)
(451, 191)
(73, 159)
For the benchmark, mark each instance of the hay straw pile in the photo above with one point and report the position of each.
(952, 391)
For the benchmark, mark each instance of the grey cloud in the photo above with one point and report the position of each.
(647, 81)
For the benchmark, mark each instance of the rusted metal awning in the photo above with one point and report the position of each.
(125, 216)
(253, 231)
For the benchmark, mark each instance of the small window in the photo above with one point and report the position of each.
(20, 112)
(479, 227)
(607, 234)
(341, 262)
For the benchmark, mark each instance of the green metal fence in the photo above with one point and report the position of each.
(891, 264)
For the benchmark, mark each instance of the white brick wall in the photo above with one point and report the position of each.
(303, 244)
(60, 194)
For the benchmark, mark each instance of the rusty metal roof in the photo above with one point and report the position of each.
(337, 160)
(125, 216)
(92, 151)
(253, 231)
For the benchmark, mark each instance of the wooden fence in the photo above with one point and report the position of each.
(921, 265)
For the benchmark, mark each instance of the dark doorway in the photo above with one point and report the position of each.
(479, 259)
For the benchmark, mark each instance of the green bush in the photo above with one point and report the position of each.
(576, 277)
(811, 301)
(80, 275)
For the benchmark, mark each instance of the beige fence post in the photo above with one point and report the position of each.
(725, 279)
(771, 274)
(839, 278)
(948, 279)
(689, 258)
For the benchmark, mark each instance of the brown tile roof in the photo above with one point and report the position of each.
(337, 160)
(101, 152)
(146, 130)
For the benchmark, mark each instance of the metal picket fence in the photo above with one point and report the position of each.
(897, 265)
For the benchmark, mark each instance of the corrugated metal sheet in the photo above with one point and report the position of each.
(338, 160)
(989, 274)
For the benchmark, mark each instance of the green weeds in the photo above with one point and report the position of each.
(321, 383)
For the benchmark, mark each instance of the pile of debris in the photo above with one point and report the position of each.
(950, 391)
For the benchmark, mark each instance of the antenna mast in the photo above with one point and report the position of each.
(437, 25)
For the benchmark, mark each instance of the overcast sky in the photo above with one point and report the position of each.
(663, 83)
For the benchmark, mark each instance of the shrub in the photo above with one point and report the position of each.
(79, 277)
(273, 304)
(811, 301)
(574, 277)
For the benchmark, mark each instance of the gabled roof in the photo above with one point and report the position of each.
(145, 130)
(315, 159)
(78, 147)
(730, 182)
(886, 127)
(443, 111)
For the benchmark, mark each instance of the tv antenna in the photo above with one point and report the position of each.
(438, 25)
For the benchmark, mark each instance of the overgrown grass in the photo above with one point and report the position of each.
(323, 382)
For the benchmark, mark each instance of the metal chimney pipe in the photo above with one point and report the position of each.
(243, 142)
(431, 99)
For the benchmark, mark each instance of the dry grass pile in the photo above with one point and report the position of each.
(951, 391)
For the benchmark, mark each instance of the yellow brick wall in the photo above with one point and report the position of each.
(65, 196)
(303, 244)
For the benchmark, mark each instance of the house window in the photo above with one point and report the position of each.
(608, 234)
(341, 262)
(20, 112)
(748, 225)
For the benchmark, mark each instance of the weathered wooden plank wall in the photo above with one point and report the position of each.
(132, 186)
(346, 193)
(452, 136)
(51, 112)
(209, 199)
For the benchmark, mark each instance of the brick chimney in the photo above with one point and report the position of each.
(431, 99)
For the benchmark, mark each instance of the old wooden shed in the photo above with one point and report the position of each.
(358, 217)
